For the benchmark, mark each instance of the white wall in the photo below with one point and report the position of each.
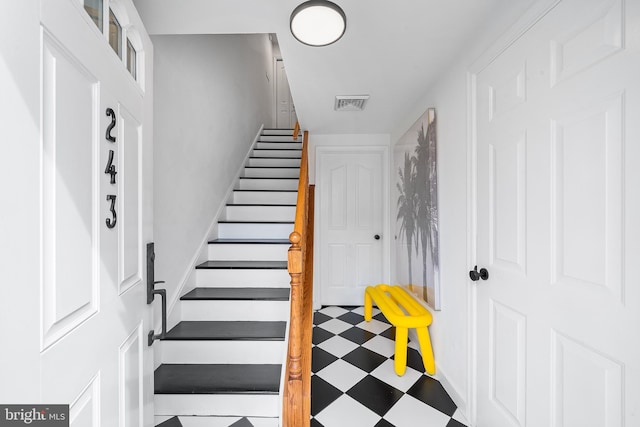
(450, 330)
(212, 95)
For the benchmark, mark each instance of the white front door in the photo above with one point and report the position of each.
(353, 232)
(558, 319)
(92, 195)
(286, 112)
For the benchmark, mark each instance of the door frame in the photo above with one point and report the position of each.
(322, 151)
(521, 26)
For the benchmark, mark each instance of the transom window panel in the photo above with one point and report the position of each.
(94, 9)
(132, 65)
(115, 34)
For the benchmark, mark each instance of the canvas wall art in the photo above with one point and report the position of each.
(417, 240)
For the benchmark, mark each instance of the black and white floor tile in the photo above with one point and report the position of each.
(353, 381)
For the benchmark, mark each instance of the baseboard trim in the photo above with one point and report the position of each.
(453, 392)
(441, 375)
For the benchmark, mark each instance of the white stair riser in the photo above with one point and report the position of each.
(272, 172)
(282, 163)
(261, 213)
(280, 137)
(223, 352)
(254, 230)
(266, 197)
(235, 310)
(256, 405)
(243, 251)
(296, 154)
(277, 131)
(219, 421)
(221, 278)
(268, 184)
(280, 145)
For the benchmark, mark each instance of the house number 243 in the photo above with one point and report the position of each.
(110, 170)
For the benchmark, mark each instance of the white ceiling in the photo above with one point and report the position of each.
(393, 50)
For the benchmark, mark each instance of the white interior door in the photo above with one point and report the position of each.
(353, 230)
(92, 225)
(285, 110)
(558, 208)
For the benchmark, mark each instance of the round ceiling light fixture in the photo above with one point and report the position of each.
(318, 23)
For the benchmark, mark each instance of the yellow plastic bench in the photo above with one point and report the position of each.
(403, 312)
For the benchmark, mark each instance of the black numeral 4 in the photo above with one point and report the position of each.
(111, 168)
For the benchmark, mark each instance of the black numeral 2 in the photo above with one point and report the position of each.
(112, 114)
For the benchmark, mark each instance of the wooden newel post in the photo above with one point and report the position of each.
(294, 374)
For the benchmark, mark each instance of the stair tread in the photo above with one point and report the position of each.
(217, 379)
(255, 222)
(244, 330)
(272, 167)
(244, 265)
(277, 149)
(252, 241)
(260, 204)
(274, 158)
(268, 177)
(171, 422)
(272, 191)
(235, 294)
(242, 422)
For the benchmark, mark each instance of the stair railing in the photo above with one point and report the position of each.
(297, 389)
(296, 130)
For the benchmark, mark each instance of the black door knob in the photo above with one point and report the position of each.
(476, 275)
(377, 237)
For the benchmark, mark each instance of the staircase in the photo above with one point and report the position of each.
(222, 364)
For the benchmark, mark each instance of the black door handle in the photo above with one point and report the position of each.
(476, 275)
(377, 237)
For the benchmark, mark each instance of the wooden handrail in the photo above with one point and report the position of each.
(297, 389)
(296, 130)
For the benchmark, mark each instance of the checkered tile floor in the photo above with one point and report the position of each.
(353, 382)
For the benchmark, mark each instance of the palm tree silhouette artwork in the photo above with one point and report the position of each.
(407, 206)
(418, 207)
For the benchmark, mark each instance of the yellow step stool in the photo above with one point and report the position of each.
(403, 312)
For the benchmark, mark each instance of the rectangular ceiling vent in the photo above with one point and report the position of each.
(350, 102)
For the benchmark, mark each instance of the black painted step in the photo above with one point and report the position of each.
(266, 177)
(257, 204)
(281, 138)
(244, 265)
(242, 422)
(227, 331)
(276, 149)
(171, 422)
(272, 191)
(217, 379)
(252, 241)
(255, 222)
(237, 294)
(271, 157)
(272, 167)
